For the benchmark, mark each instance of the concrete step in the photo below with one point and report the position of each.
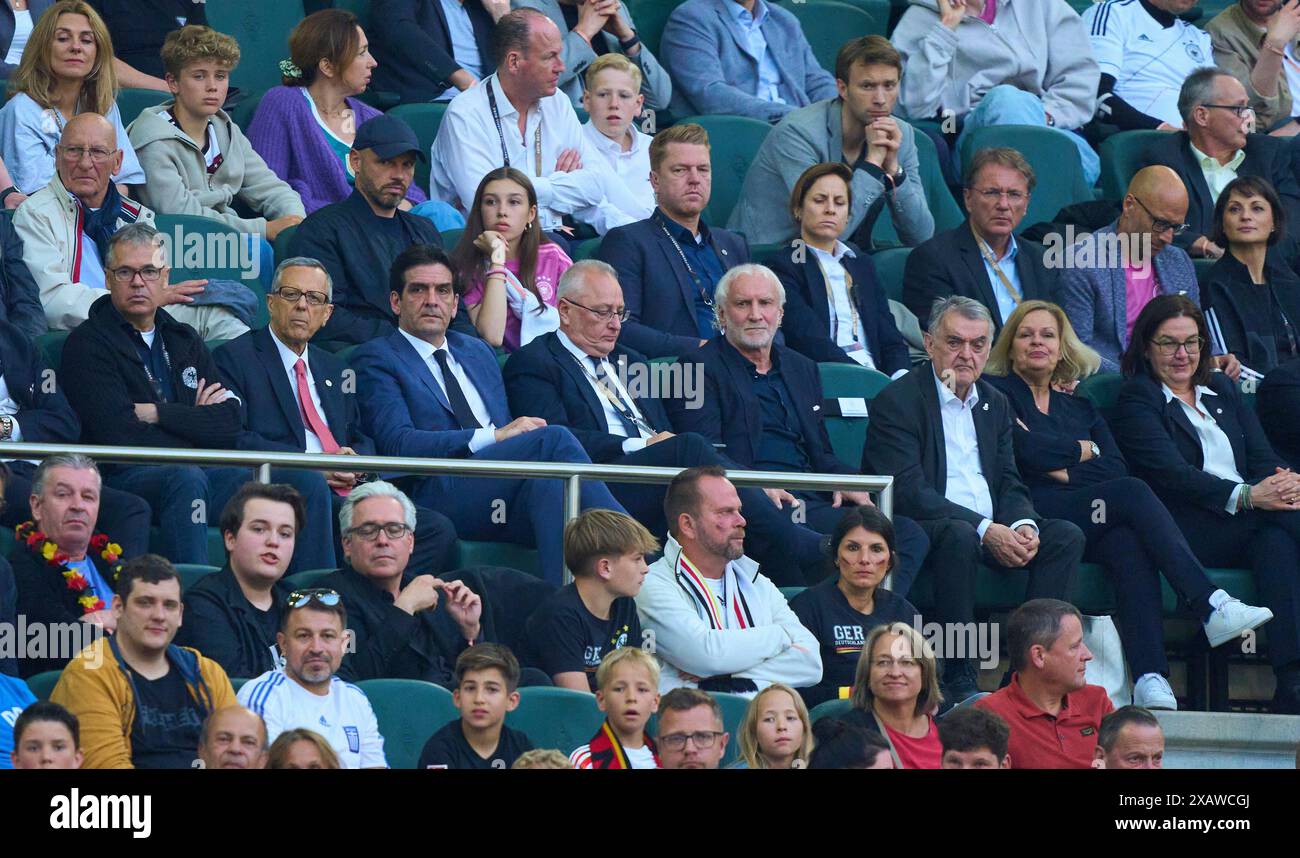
(1230, 740)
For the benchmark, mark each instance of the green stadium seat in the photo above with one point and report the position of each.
(889, 266)
(1102, 390)
(762, 254)
(1055, 161)
(281, 243)
(649, 17)
(451, 238)
(262, 29)
(130, 102)
(216, 545)
(828, 24)
(424, 120)
(7, 541)
(829, 709)
(307, 579)
(554, 717)
(191, 573)
(1080, 6)
(42, 684)
(586, 249)
(409, 711)
(238, 682)
(50, 345)
(947, 214)
(1203, 267)
(849, 434)
(735, 141)
(791, 592)
(733, 713)
(1122, 155)
(471, 553)
(220, 255)
(242, 113)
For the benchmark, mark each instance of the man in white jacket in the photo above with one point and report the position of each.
(714, 621)
(1000, 62)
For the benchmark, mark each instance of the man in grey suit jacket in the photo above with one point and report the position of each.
(1096, 296)
(856, 128)
(598, 27)
(740, 57)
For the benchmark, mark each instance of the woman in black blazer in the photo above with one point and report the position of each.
(835, 308)
(1190, 436)
(1252, 297)
(1074, 470)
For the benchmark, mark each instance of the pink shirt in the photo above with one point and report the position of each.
(551, 263)
(1140, 286)
(923, 753)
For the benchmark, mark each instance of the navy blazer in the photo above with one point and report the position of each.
(405, 410)
(271, 417)
(1164, 449)
(807, 312)
(412, 42)
(661, 319)
(950, 264)
(544, 380)
(731, 414)
(44, 413)
(905, 438)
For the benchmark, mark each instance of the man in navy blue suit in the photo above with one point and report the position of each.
(670, 263)
(298, 398)
(429, 392)
(430, 50)
(764, 401)
(580, 377)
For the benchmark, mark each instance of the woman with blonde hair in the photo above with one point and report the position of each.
(895, 692)
(776, 732)
(1073, 468)
(301, 749)
(66, 69)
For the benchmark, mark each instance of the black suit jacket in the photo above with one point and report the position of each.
(544, 380)
(731, 414)
(44, 597)
(950, 264)
(807, 312)
(412, 43)
(271, 417)
(20, 303)
(1162, 446)
(1277, 404)
(659, 294)
(1266, 157)
(905, 439)
(44, 414)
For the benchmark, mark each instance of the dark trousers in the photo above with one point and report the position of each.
(1134, 538)
(910, 541)
(123, 517)
(527, 512)
(1271, 542)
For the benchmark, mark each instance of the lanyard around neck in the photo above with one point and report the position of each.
(501, 135)
(987, 252)
(695, 278)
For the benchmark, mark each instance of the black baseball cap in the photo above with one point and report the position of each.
(388, 136)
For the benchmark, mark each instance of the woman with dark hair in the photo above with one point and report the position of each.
(836, 310)
(843, 609)
(1186, 431)
(509, 269)
(1070, 462)
(1251, 296)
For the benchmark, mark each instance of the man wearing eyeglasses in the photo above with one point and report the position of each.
(65, 226)
(691, 731)
(582, 377)
(982, 258)
(1217, 145)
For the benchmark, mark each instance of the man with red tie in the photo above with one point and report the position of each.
(300, 398)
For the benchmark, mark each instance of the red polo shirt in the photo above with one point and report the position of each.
(1067, 740)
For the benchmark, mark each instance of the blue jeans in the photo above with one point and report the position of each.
(1006, 105)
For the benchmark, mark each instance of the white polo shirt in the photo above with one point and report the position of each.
(631, 167)
(343, 717)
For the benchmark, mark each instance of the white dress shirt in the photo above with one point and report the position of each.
(845, 325)
(631, 167)
(966, 485)
(484, 436)
(468, 147)
(1217, 176)
(612, 419)
(289, 358)
(1216, 449)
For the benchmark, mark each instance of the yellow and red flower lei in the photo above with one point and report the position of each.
(36, 541)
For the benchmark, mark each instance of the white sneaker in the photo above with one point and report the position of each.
(1152, 691)
(1232, 618)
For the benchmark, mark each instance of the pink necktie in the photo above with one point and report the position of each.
(312, 416)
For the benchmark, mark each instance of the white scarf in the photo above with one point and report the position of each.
(525, 306)
(738, 588)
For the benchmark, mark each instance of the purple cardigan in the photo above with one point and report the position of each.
(284, 132)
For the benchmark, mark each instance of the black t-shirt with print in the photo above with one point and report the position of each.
(564, 637)
(449, 749)
(165, 732)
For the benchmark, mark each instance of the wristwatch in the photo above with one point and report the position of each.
(6, 427)
(4, 194)
(1096, 451)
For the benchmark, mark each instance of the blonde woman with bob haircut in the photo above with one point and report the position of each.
(776, 732)
(1070, 463)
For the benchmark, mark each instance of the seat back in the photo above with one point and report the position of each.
(829, 709)
(191, 573)
(42, 684)
(306, 579)
(262, 29)
(649, 18)
(131, 102)
(409, 711)
(50, 345)
(203, 248)
(890, 264)
(849, 434)
(734, 141)
(554, 717)
(281, 243)
(1055, 161)
(425, 119)
(828, 24)
(947, 214)
(1122, 155)
(1102, 390)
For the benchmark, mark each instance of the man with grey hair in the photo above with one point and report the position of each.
(762, 403)
(65, 225)
(945, 437)
(1217, 145)
(612, 399)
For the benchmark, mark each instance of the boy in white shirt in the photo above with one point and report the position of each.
(629, 692)
(613, 99)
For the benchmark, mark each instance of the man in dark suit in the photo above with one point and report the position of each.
(1277, 404)
(422, 55)
(428, 392)
(669, 263)
(945, 437)
(20, 298)
(982, 258)
(1215, 148)
(581, 378)
(310, 409)
(762, 403)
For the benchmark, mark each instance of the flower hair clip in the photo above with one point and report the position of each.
(288, 69)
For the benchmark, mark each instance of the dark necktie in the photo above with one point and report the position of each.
(459, 404)
(611, 391)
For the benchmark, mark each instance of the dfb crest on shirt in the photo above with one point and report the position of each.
(622, 641)
(1194, 51)
(354, 739)
(190, 377)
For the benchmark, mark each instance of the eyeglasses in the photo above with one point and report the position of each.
(603, 315)
(293, 296)
(1160, 224)
(1240, 109)
(125, 274)
(1169, 348)
(98, 154)
(370, 532)
(993, 195)
(677, 741)
(328, 598)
